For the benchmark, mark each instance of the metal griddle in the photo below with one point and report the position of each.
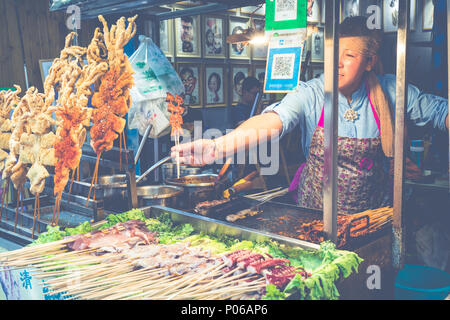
(280, 218)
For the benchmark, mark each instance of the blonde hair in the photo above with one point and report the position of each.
(372, 42)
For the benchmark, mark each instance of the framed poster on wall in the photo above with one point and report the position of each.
(166, 37)
(254, 10)
(44, 66)
(427, 15)
(350, 8)
(215, 85)
(190, 74)
(238, 50)
(313, 11)
(259, 51)
(238, 74)
(390, 15)
(214, 37)
(317, 47)
(187, 33)
(259, 72)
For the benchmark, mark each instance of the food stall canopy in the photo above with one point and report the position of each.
(90, 9)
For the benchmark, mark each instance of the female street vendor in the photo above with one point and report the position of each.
(365, 128)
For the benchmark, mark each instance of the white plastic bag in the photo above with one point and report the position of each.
(154, 77)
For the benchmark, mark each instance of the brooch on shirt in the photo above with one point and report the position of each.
(351, 115)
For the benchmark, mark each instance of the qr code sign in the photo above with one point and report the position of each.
(285, 5)
(283, 66)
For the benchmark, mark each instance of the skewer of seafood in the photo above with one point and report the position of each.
(8, 101)
(176, 120)
(112, 100)
(72, 111)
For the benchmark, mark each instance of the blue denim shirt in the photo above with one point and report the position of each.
(304, 108)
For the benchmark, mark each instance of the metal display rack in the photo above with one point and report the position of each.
(75, 208)
(90, 9)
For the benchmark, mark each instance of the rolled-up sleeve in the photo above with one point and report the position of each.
(295, 106)
(426, 108)
(423, 108)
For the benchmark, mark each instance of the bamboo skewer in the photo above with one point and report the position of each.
(94, 180)
(17, 210)
(4, 195)
(193, 283)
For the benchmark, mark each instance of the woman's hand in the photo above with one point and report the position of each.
(197, 153)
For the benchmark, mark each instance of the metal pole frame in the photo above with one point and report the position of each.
(332, 13)
(448, 86)
(401, 101)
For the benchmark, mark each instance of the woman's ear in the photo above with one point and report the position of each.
(371, 62)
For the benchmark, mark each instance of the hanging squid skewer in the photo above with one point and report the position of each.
(112, 100)
(8, 100)
(72, 111)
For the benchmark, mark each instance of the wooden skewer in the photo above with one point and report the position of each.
(228, 292)
(54, 210)
(39, 215)
(238, 289)
(7, 196)
(94, 179)
(17, 210)
(120, 151)
(124, 135)
(217, 283)
(71, 183)
(152, 288)
(59, 207)
(102, 285)
(22, 195)
(5, 192)
(92, 271)
(34, 215)
(194, 282)
(207, 272)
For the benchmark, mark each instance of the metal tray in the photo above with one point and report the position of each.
(282, 219)
(216, 227)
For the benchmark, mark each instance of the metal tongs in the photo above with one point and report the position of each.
(141, 146)
(257, 207)
(139, 151)
(156, 165)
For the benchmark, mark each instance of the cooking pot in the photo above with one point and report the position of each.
(162, 195)
(197, 188)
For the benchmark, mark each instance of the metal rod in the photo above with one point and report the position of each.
(401, 101)
(156, 165)
(22, 47)
(141, 145)
(448, 86)
(256, 102)
(330, 119)
(156, 155)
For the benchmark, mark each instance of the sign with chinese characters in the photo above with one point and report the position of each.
(20, 284)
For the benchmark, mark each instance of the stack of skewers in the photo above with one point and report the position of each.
(349, 226)
(125, 261)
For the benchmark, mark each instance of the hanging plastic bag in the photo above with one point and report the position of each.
(154, 77)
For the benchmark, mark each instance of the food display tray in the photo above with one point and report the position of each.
(221, 228)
